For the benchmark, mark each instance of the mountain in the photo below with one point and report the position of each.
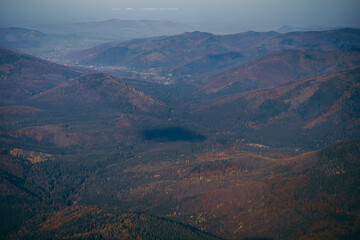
(311, 112)
(197, 58)
(208, 64)
(50, 46)
(345, 38)
(163, 52)
(54, 41)
(184, 47)
(281, 68)
(118, 30)
(23, 76)
(254, 136)
(169, 52)
(288, 28)
(21, 38)
(95, 91)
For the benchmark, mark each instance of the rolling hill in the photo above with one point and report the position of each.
(23, 76)
(96, 91)
(281, 68)
(20, 38)
(95, 111)
(311, 112)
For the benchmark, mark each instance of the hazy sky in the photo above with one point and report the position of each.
(256, 13)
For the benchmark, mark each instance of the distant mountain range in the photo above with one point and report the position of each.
(117, 29)
(50, 46)
(288, 28)
(21, 38)
(53, 42)
(203, 55)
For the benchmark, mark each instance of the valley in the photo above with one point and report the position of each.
(185, 136)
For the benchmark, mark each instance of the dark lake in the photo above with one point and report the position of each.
(172, 134)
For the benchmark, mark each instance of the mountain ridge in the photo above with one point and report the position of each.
(283, 67)
(311, 108)
(24, 75)
(250, 44)
(95, 90)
